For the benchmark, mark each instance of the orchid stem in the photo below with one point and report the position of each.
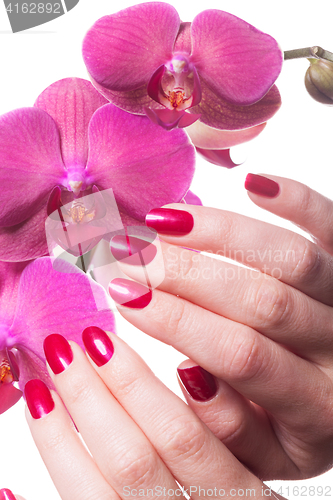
(315, 52)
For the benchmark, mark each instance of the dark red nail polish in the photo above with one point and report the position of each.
(58, 353)
(199, 383)
(131, 250)
(6, 494)
(98, 345)
(39, 399)
(130, 293)
(170, 221)
(261, 185)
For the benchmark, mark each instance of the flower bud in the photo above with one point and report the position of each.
(319, 80)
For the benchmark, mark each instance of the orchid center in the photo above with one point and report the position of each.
(6, 376)
(76, 180)
(177, 82)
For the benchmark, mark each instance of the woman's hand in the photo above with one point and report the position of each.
(143, 441)
(6, 494)
(265, 333)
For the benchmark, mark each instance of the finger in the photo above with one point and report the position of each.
(72, 469)
(191, 452)
(298, 203)
(120, 449)
(260, 369)
(287, 256)
(243, 427)
(245, 296)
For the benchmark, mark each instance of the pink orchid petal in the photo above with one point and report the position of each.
(30, 163)
(205, 137)
(237, 61)
(220, 114)
(145, 166)
(183, 43)
(32, 366)
(166, 118)
(192, 199)
(188, 119)
(132, 101)
(10, 274)
(71, 102)
(9, 396)
(56, 297)
(25, 241)
(154, 88)
(122, 51)
(220, 157)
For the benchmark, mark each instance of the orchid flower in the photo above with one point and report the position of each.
(214, 75)
(74, 143)
(37, 299)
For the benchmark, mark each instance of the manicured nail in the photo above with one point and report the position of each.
(98, 345)
(6, 494)
(131, 250)
(200, 384)
(58, 353)
(170, 221)
(39, 399)
(261, 185)
(130, 293)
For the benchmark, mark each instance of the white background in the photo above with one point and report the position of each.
(296, 143)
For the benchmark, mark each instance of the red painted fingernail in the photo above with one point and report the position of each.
(98, 345)
(130, 293)
(131, 250)
(170, 221)
(39, 399)
(261, 185)
(6, 494)
(199, 383)
(58, 352)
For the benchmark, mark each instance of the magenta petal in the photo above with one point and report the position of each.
(71, 102)
(220, 157)
(9, 396)
(238, 62)
(133, 101)
(220, 114)
(166, 118)
(206, 137)
(192, 199)
(32, 366)
(154, 88)
(188, 119)
(10, 274)
(25, 241)
(121, 51)
(30, 163)
(183, 43)
(56, 297)
(145, 166)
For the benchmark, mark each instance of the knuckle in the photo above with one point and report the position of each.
(136, 466)
(269, 302)
(247, 360)
(306, 261)
(178, 317)
(77, 390)
(184, 439)
(55, 440)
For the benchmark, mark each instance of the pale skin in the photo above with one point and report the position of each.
(266, 340)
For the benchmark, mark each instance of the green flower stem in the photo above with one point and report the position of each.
(315, 52)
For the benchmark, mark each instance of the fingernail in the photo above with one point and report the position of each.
(131, 250)
(58, 353)
(38, 398)
(98, 345)
(129, 293)
(170, 221)
(261, 185)
(6, 494)
(199, 383)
